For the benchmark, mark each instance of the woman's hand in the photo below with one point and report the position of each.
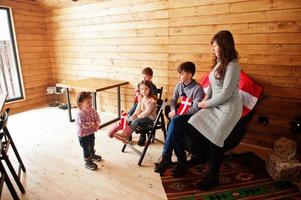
(202, 104)
(206, 98)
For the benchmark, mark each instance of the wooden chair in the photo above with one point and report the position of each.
(159, 92)
(161, 123)
(6, 142)
(150, 131)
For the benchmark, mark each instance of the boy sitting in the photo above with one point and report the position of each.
(191, 93)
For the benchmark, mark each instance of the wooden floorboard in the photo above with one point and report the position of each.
(51, 153)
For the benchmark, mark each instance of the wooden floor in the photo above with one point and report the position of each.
(50, 150)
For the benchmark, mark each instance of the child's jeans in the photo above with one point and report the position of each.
(87, 143)
(141, 122)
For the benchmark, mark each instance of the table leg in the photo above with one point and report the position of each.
(69, 105)
(118, 110)
(118, 102)
(94, 100)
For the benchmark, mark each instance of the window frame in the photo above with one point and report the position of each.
(16, 54)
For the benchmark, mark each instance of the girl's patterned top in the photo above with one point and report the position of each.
(85, 120)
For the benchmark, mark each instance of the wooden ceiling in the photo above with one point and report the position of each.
(54, 4)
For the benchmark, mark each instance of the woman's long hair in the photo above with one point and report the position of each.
(227, 51)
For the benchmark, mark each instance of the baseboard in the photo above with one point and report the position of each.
(262, 152)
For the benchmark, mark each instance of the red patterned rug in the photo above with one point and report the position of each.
(242, 176)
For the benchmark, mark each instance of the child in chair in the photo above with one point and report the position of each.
(147, 74)
(144, 114)
(87, 122)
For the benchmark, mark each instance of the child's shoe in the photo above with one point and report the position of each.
(90, 165)
(113, 130)
(142, 139)
(163, 164)
(123, 138)
(96, 158)
(127, 132)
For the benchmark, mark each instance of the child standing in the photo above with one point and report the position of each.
(87, 122)
(144, 114)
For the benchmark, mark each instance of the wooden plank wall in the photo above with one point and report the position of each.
(117, 39)
(31, 35)
(267, 35)
(111, 39)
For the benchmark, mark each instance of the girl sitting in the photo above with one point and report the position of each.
(143, 116)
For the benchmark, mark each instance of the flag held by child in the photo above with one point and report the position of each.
(185, 105)
(123, 121)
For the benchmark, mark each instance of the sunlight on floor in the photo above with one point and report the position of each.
(51, 153)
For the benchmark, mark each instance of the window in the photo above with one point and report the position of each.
(10, 79)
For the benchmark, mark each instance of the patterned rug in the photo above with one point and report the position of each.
(242, 176)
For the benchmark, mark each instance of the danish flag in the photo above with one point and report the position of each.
(248, 90)
(123, 121)
(185, 105)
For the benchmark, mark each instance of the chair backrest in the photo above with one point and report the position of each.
(161, 105)
(3, 119)
(159, 93)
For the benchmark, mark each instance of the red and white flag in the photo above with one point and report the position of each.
(248, 90)
(123, 121)
(185, 105)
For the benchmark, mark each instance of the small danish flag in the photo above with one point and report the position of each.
(185, 105)
(123, 121)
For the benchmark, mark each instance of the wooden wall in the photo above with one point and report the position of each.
(267, 35)
(31, 35)
(111, 39)
(117, 39)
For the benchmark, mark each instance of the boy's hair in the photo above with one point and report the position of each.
(83, 96)
(188, 67)
(147, 71)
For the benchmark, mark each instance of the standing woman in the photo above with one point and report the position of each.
(222, 105)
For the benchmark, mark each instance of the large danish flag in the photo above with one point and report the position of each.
(248, 90)
(185, 105)
(123, 121)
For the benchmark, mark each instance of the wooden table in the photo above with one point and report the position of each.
(93, 85)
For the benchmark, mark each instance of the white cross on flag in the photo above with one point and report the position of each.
(185, 105)
(123, 121)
